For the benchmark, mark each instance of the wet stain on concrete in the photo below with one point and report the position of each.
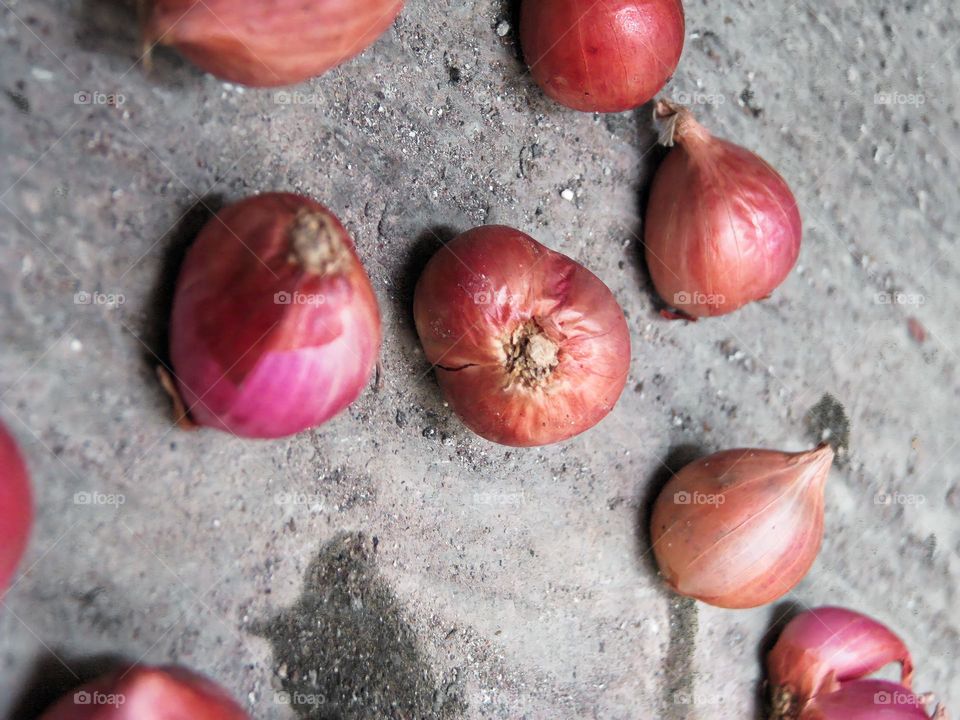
(827, 422)
(344, 651)
(678, 688)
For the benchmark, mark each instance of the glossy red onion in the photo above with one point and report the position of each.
(741, 528)
(148, 693)
(528, 345)
(822, 648)
(869, 700)
(604, 56)
(722, 228)
(16, 508)
(268, 44)
(275, 326)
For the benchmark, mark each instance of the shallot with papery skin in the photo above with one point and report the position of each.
(722, 228)
(605, 56)
(741, 528)
(529, 346)
(822, 648)
(16, 508)
(148, 693)
(275, 326)
(267, 44)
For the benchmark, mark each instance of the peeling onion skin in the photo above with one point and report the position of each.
(255, 367)
(16, 508)
(605, 56)
(722, 227)
(149, 693)
(740, 528)
(822, 648)
(268, 44)
(869, 700)
(492, 307)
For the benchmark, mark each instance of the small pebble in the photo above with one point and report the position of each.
(503, 29)
(567, 194)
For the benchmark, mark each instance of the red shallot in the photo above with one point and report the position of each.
(16, 508)
(529, 346)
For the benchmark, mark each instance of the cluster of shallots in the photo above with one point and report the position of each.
(819, 668)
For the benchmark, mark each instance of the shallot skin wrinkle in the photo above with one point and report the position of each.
(607, 56)
(722, 227)
(268, 44)
(740, 528)
(148, 693)
(529, 347)
(275, 325)
(16, 508)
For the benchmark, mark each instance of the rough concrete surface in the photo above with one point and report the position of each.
(392, 564)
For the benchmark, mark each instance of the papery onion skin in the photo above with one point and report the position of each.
(722, 227)
(493, 291)
(824, 647)
(867, 700)
(148, 693)
(740, 528)
(268, 44)
(16, 508)
(261, 346)
(606, 56)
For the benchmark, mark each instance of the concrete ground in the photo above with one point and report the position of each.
(392, 564)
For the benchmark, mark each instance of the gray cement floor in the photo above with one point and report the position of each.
(392, 559)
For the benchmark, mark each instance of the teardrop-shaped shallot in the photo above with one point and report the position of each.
(275, 326)
(722, 228)
(741, 528)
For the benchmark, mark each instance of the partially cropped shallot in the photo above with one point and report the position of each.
(741, 528)
(275, 326)
(148, 693)
(255, 43)
(16, 508)
(722, 228)
(819, 666)
(529, 346)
